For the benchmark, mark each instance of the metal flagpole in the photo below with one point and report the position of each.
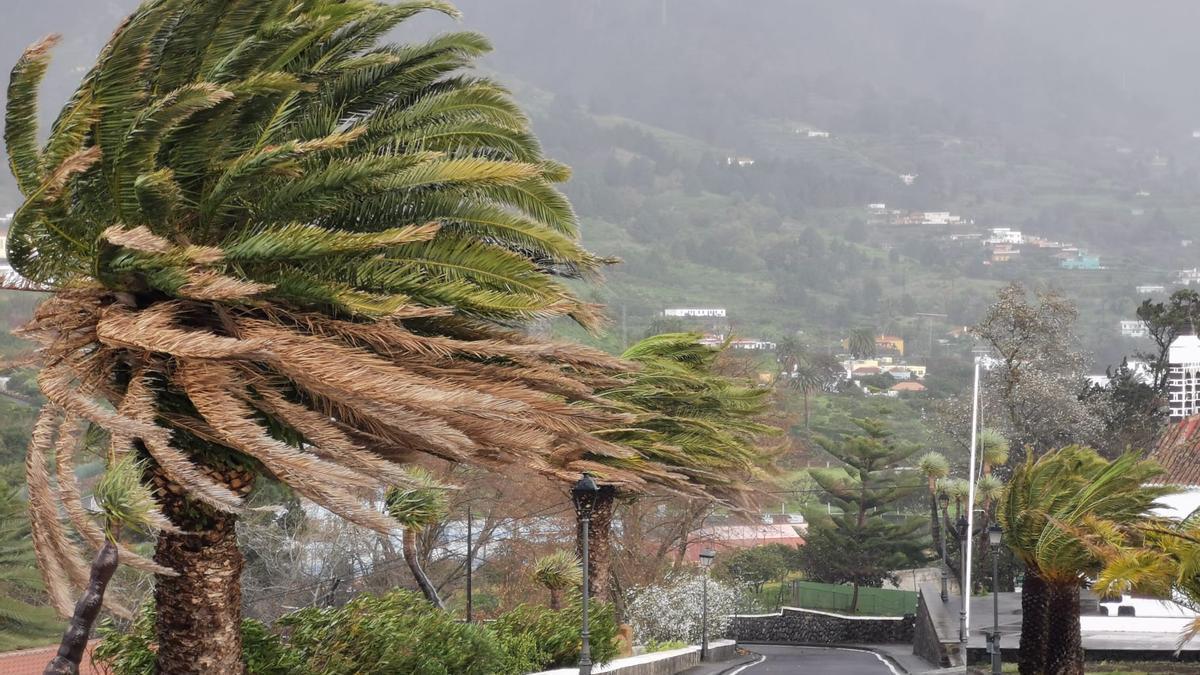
(965, 617)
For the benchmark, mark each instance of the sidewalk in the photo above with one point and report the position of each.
(721, 667)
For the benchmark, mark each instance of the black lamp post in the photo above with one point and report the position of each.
(706, 560)
(995, 536)
(944, 502)
(584, 494)
(963, 590)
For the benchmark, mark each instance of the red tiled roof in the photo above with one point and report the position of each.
(1178, 451)
(33, 661)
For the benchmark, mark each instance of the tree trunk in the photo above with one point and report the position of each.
(599, 543)
(934, 527)
(854, 601)
(806, 408)
(555, 599)
(1035, 607)
(199, 613)
(414, 564)
(74, 641)
(1064, 644)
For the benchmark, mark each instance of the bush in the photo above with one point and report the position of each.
(554, 635)
(132, 652)
(399, 632)
(671, 611)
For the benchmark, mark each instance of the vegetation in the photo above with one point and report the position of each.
(756, 566)
(1065, 515)
(415, 507)
(859, 543)
(558, 572)
(24, 622)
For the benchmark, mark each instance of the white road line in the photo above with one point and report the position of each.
(761, 658)
(877, 655)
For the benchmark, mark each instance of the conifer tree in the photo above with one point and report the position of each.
(859, 540)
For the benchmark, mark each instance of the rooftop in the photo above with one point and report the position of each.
(1178, 451)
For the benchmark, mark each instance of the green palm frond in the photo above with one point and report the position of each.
(420, 505)
(558, 571)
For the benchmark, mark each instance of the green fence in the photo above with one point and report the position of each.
(836, 598)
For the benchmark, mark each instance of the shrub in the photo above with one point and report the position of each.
(132, 652)
(671, 611)
(399, 632)
(555, 634)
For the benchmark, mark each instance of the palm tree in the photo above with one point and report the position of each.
(861, 343)
(1065, 515)
(994, 449)
(934, 467)
(694, 432)
(23, 623)
(557, 572)
(805, 370)
(415, 507)
(279, 249)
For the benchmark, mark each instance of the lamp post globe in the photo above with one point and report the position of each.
(584, 495)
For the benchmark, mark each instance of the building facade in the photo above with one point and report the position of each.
(1183, 390)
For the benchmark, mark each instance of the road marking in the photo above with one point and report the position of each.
(761, 658)
(877, 655)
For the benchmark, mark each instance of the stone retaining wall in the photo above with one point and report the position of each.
(805, 626)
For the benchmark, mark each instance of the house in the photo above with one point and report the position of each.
(865, 371)
(33, 661)
(908, 178)
(878, 207)
(889, 343)
(940, 218)
(1188, 277)
(1148, 289)
(1135, 329)
(1081, 262)
(693, 313)
(1004, 235)
(732, 537)
(739, 161)
(753, 345)
(1178, 453)
(816, 133)
(1183, 377)
(908, 387)
(1002, 253)
(898, 369)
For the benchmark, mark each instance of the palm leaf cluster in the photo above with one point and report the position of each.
(279, 247)
(695, 430)
(22, 622)
(1068, 512)
(419, 504)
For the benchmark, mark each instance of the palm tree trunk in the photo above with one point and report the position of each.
(555, 599)
(1064, 644)
(414, 564)
(934, 527)
(1035, 608)
(806, 408)
(599, 543)
(199, 613)
(854, 601)
(74, 641)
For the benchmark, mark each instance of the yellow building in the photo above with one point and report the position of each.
(889, 343)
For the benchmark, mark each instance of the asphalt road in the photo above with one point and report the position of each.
(782, 660)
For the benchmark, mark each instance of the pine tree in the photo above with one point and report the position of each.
(859, 541)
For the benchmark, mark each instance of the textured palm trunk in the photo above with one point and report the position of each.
(198, 625)
(934, 528)
(854, 600)
(599, 543)
(1064, 644)
(555, 599)
(414, 565)
(1035, 608)
(74, 641)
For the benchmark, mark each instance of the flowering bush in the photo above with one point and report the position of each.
(671, 611)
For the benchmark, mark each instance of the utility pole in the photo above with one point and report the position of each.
(470, 566)
(929, 317)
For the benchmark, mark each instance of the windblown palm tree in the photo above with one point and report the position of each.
(1066, 515)
(416, 507)
(934, 467)
(861, 343)
(805, 370)
(558, 572)
(277, 248)
(695, 433)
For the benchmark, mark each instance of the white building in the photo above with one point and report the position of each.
(1183, 386)
(691, 313)
(908, 178)
(3, 247)
(1004, 235)
(878, 206)
(1135, 329)
(816, 133)
(1148, 289)
(1189, 277)
(740, 161)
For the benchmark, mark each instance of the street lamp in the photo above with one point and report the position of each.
(584, 495)
(944, 502)
(963, 526)
(995, 536)
(706, 560)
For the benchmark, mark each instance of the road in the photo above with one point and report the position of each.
(782, 660)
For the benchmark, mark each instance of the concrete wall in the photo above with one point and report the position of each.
(659, 663)
(805, 626)
(926, 643)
